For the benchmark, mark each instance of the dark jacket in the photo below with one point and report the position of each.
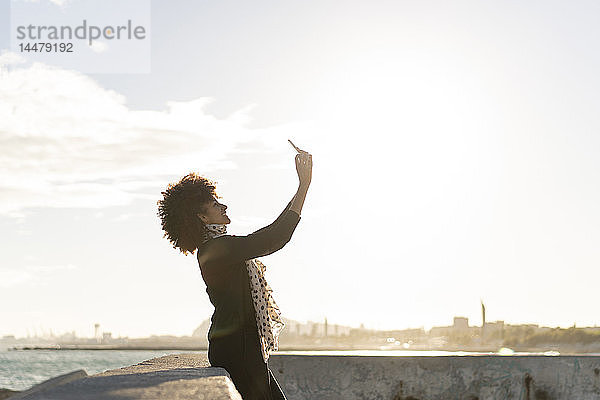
(223, 267)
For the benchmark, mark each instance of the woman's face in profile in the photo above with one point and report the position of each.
(214, 213)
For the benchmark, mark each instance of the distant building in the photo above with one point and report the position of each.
(292, 327)
(482, 314)
(97, 334)
(461, 324)
(8, 339)
(524, 326)
(482, 320)
(439, 331)
(68, 337)
(315, 329)
(494, 330)
(459, 327)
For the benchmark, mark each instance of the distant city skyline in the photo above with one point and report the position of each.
(455, 153)
(489, 337)
(456, 321)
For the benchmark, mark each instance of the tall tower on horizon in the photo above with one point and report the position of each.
(482, 319)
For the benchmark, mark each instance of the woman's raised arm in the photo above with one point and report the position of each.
(267, 240)
(304, 169)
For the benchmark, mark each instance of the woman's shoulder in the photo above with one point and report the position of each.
(212, 249)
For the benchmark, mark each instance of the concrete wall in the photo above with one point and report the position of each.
(172, 377)
(186, 377)
(433, 378)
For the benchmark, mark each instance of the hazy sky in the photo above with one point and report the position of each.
(455, 149)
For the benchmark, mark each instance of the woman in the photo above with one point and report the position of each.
(246, 322)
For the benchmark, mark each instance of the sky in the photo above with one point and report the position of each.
(455, 159)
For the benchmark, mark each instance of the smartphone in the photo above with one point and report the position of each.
(295, 147)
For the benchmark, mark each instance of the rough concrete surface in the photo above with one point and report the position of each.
(6, 393)
(436, 378)
(50, 383)
(176, 377)
(329, 377)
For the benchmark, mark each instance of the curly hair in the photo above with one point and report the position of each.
(178, 208)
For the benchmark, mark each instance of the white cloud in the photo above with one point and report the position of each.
(11, 277)
(8, 58)
(32, 274)
(67, 142)
(50, 268)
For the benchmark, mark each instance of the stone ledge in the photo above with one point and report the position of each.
(177, 377)
(50, 383)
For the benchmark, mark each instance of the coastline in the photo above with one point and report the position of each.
(546, 350)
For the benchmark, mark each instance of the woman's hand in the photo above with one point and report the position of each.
(304, 168)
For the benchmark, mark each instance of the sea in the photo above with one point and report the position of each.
(21, 369)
